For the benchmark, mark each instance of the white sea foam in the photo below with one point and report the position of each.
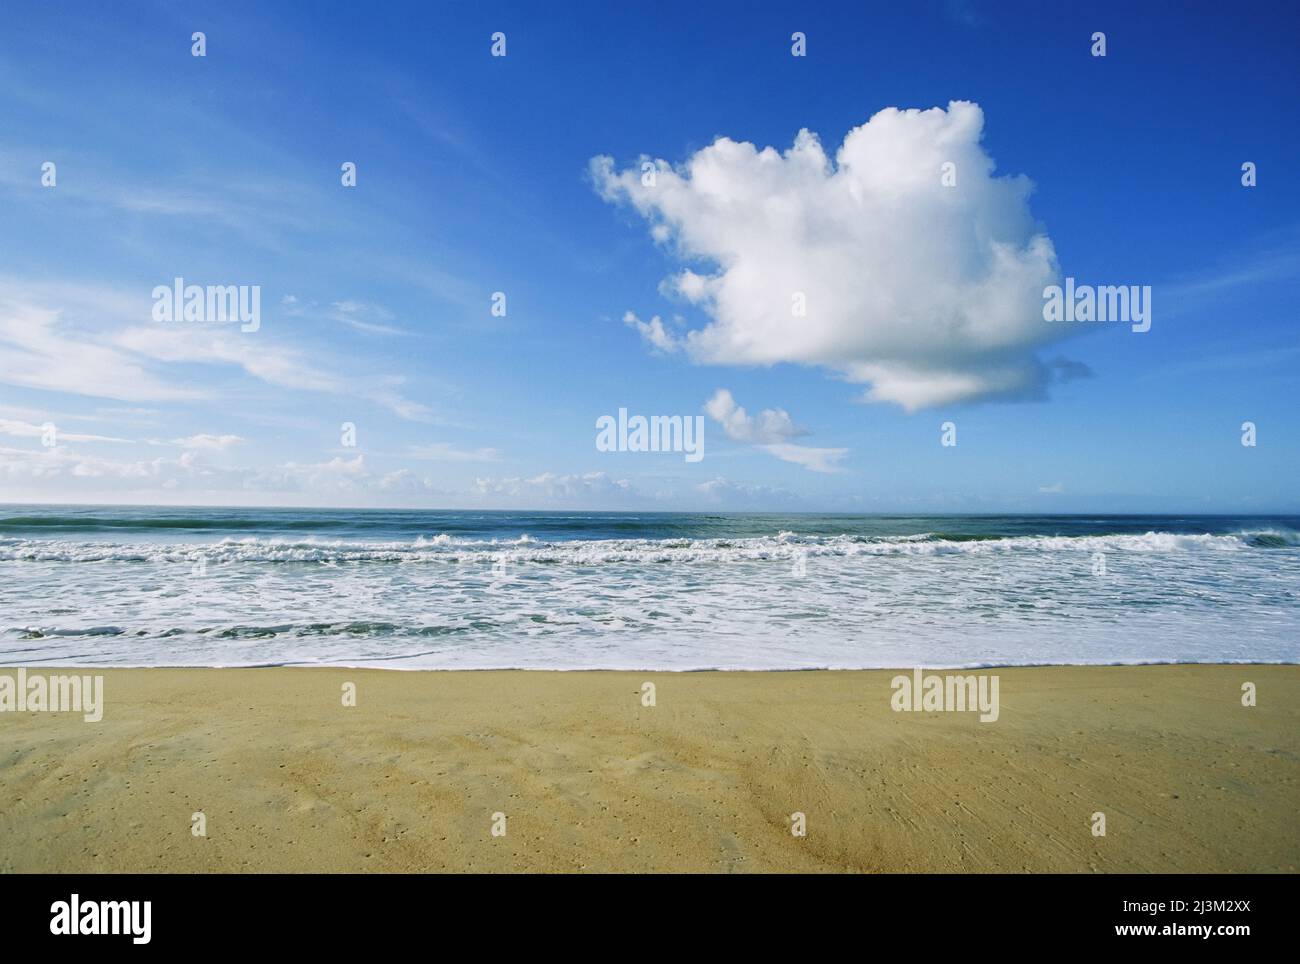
(769, 602)
(445, 548)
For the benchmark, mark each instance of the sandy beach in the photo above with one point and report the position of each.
(588, 778)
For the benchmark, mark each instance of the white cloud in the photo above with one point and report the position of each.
(61, 338)
(40, 349)
(739, 494)
(406, 482)
(929, 294)
(771, 431)
(21, 429)
(770, 425)
(63, 462)
(68, 468)
(191, 477)
(812, 459)
(276, 366)
(368, 318)
(551, 487)
(653, 332)
(1057, 488)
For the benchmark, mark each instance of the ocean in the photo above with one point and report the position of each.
(136, 586)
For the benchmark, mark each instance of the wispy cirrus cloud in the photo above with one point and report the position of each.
(21, 429)
(84, 340)
(365, 317)
(368, 318)
(40, 349)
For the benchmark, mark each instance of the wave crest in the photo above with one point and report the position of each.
(444, 548)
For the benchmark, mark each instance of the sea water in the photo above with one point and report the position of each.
(113, 586)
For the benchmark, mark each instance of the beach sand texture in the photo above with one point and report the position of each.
(589, 779)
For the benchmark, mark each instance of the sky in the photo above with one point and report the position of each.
(837, 261)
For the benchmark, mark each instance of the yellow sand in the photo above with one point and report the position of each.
(589, 779)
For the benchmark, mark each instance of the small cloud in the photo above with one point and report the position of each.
(812, 459)
(770, 430)
(1056, 488)
(653, 333)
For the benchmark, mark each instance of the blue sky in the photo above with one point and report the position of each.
(475, 176)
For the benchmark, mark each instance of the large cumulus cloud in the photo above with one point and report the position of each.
(926, 293)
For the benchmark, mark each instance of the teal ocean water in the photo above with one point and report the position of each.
(567, 590)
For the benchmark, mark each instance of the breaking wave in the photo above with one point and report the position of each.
(444, 548)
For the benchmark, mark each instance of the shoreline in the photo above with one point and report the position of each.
(368, 667)
(706, 779)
